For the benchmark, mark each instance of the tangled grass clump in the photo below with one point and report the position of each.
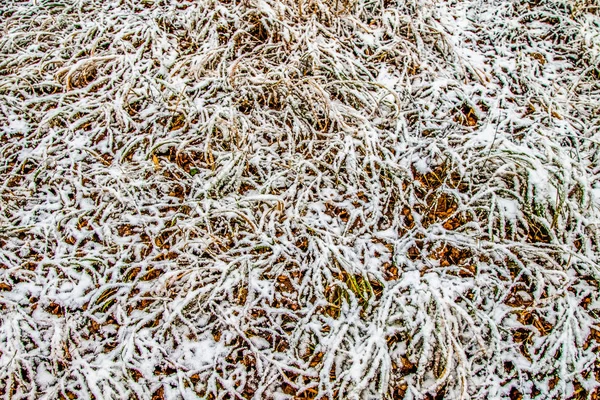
(299, 200)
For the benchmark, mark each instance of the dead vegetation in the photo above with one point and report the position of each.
(302, 200)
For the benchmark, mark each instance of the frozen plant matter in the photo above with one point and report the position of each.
(311, 199)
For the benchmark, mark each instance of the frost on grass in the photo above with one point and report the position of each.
(310, 199)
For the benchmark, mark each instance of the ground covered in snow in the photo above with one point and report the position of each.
(274, 199)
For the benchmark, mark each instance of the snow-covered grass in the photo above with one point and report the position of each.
(273, 199)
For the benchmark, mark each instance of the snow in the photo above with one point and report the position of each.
(44, 378)
(272, 199)
(509, 208)
(16, 125)
(596, 196)
(196, 355)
